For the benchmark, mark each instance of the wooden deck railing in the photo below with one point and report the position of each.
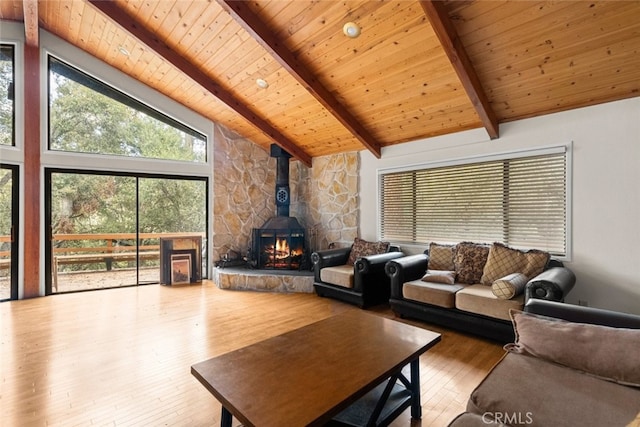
(100, 248)
(5, 256)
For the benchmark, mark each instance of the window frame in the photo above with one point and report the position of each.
(470, 160)
(71, 72)
(13, 88)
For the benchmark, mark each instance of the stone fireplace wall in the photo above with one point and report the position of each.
(324, 198)
(327, 199)
(244, 183)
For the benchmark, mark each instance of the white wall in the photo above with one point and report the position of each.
(605, 190)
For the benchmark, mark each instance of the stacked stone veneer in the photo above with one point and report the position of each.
(328, 195)
(323, 198)
(259, 280)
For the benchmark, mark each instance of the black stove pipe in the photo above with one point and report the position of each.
(283, 200)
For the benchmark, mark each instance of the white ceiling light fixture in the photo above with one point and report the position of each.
(262, 83)
(351, 30)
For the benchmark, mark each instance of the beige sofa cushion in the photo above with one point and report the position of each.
(503, 260)
(480, 299)
(553, 395)
(341, 275)
(438, 294)
(610, 353)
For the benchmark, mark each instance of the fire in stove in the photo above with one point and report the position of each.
(281, 255)
(280, 250)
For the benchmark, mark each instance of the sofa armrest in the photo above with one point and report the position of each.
(405, 269)
(328, 258)
(369, 270)
(376, 262)
(552, 284)
(580, 314)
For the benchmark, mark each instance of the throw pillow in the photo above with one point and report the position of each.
(536, 262)
(503, 260)
(509, 286)
(605, 352)
(441, 257)
(362, 248)
(440, 276)
(469, 261)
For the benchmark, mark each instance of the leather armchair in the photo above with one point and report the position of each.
(363, 284)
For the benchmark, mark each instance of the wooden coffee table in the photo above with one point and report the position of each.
(344, 370)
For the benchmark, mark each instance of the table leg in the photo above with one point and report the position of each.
(226, 418)
(416, 405)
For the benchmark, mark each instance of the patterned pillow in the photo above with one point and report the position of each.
(440, 276)
(509, 286)
(441, 257)
(469, 262)
(504, 260)
(536, 262)
(362, 248)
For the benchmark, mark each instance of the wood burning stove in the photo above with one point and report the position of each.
(280, 242)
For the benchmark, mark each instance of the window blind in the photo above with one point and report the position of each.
(521, 202)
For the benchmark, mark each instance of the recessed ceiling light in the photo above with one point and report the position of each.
(351, 29)
(262, 83)
(123, 50)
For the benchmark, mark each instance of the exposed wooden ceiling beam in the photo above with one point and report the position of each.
(448, 36)
(30, 11)
(114, 12)
(251, 23)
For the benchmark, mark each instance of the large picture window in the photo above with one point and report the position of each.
(7, 79)
(106, 228)
(519, 200)
(88, 116)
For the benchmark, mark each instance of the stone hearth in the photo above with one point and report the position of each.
(247, 279)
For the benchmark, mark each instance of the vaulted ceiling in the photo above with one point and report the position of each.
(418, 68)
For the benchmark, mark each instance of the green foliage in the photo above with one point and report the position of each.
(5, 202)
(86, 203)
(6, 101)
(84, 120)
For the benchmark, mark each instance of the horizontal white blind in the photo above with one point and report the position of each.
(520, 202)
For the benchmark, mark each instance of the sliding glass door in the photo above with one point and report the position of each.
(8, 230)
(106, 228)
(170, 207)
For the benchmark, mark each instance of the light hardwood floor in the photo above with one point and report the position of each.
(123, 356)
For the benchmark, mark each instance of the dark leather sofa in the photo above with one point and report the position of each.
(552, 284)
(370, 283)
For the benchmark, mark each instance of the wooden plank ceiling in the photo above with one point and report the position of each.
(417, 70)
